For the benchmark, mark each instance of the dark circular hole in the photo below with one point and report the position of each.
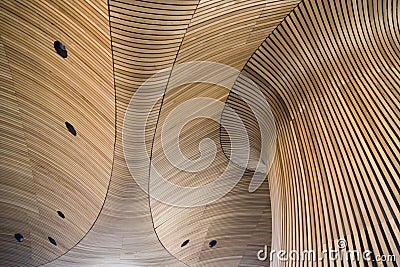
(52, 241)
(60, 49)
(19, 237)
(60, 214)
(70, 128)
(184, 243)
(212, 243)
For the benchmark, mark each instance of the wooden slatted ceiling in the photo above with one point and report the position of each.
(44, 168)
(146, 37)
(220, 31)
(230, 31)
(146, 40)
(331, 73)
(13, 146)
(334, 90)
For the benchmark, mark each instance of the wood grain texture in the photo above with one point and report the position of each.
(331, 74)
(43, 167)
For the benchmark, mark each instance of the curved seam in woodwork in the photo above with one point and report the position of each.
(115, 142)
(229, 94)
(155, 131)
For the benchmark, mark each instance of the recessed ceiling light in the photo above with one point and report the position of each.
(212, 243)
(19, 237)
(184, 243)
(52, 241)
(70, 128)
(60, 49)
(60, 214)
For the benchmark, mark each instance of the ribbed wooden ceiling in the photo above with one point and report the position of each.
(43, 167)
(328, 69)
(331, 74)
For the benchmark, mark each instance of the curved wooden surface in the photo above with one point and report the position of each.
(329, 70)
(331, 76)
(43, 167)
(229, 33)
(145, 40)
(131, 23)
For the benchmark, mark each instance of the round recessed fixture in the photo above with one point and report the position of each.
(52, 241)
(19, 237)
(184, 243)
(60, 49)
(61, 214)
(70, 128)
(212, 243)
